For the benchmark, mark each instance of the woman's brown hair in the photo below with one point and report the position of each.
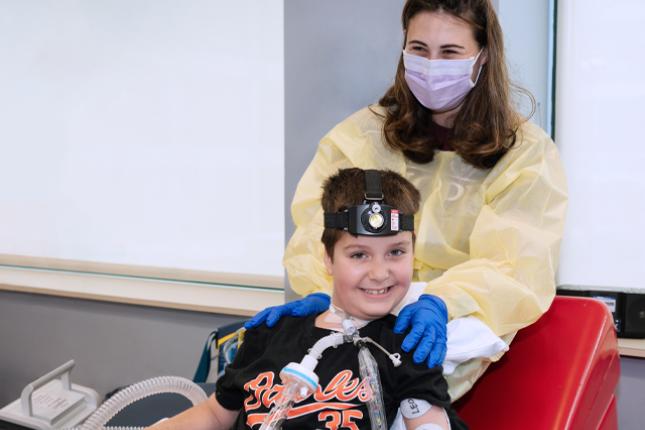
(485, 126)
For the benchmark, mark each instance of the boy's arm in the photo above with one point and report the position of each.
(414, 417)
(423, 395)
(208, 415)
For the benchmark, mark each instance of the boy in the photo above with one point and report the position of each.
(368, 241)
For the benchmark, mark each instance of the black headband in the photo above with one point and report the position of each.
(373, 217)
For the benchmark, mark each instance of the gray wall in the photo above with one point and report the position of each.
(340, 56)
(526, 39)
(631, 394)
(112, 344)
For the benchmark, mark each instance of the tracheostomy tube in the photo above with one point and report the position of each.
(299, 381)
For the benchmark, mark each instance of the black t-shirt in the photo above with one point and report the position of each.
(249, 383)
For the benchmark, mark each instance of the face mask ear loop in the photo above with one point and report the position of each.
(480, 68)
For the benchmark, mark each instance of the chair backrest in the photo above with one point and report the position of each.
(560, 373)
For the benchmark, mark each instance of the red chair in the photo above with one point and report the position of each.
(560, 373)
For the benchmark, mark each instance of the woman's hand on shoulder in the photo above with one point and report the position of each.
(427, 319)
(312, 304)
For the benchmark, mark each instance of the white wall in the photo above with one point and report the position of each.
(599, 114)
(143, 132)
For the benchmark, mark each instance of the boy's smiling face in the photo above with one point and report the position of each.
(371, 274)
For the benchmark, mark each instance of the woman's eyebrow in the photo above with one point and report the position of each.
(452, 45)
(418, 42)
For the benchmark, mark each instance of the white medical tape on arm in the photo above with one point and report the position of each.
(428, 427)
(414, 408)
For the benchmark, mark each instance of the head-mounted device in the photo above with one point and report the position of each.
(373, 217)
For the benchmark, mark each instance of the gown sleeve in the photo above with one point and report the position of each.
(509, 279)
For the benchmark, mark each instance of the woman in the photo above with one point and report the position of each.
(492, 186)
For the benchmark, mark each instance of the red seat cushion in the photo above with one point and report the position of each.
(560, 373)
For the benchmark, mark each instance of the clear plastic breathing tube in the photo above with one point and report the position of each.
(138, 391)
(299, 381)
(369, 372)
(116, 428)
(291, 394)
(368, 369)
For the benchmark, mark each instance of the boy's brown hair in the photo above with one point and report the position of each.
(347, 188)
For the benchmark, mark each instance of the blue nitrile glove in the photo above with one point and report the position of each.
(312, 304)
(428, 317)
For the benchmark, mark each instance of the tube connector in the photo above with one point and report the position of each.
(329, 341)
(349, 328)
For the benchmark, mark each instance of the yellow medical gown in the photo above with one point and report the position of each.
(487, 240)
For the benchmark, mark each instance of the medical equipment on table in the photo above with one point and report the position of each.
(53, 402)
(50, 402)
(133, 393)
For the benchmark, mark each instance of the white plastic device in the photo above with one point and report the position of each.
(51, 402)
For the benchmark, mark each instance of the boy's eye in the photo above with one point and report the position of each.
(358, 255)
(397, 252)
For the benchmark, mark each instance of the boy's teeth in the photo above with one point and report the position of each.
(376, 292)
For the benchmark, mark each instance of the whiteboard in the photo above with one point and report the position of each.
(599, 114)
(143, 133)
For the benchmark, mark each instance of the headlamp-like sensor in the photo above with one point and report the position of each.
(373, 217)
(376, 220)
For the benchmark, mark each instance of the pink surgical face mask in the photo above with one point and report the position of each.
(440, 85)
